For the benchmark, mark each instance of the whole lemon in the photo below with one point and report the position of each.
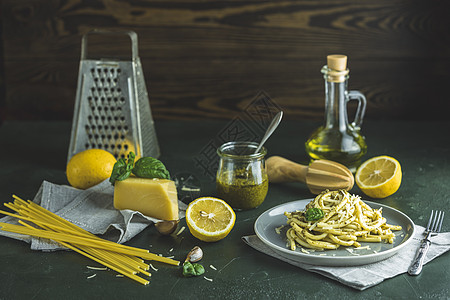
(89, 167)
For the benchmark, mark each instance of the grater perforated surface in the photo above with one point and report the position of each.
(112, 111)
(107, 116)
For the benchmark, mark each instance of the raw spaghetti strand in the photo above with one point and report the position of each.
(67, 227)
(126, 260)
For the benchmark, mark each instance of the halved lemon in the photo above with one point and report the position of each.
(379, 177)
(210, 219)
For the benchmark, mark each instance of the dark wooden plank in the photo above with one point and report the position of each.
(199, 92)
(207, 59)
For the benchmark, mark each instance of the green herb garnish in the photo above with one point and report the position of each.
(122, 168)
(149, 167)
(190, 269)
(145, 167)
(314, 214)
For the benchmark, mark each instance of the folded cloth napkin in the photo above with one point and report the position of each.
(365, 276)
(91, 209)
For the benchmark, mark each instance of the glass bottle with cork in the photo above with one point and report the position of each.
(337, 139)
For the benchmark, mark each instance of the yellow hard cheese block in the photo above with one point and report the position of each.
(155, 198)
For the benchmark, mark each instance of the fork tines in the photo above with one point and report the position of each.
(435, 221)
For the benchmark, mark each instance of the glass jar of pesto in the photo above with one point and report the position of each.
(241, 178)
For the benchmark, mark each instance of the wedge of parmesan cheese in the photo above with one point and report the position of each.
(155, 198)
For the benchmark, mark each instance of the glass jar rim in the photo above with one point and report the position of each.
(221, 151)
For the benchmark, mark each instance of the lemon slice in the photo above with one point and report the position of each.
(209, 219)
(379, 177)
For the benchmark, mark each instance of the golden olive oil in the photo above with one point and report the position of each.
(344, 148)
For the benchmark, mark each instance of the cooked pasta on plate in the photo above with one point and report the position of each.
(334, 229)
(337, 218)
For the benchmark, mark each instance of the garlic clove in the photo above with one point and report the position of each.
(195, 255)
(166, 227)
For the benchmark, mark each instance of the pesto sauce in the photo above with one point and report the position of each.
(242, 192)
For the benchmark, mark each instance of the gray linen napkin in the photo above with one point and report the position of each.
(365, 276)
(91, 209)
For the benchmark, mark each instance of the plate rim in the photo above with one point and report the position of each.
(345, 259)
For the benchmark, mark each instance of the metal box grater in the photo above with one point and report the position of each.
(112, 109)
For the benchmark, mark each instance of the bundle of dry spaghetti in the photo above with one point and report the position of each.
(337, 218)
(128, 261)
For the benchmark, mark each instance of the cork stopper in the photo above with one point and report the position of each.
(337, 62)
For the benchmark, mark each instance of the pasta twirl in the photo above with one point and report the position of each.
(346, 221)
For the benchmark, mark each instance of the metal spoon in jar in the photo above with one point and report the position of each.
(275, 122)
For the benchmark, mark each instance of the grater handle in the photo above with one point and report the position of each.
(131, 34)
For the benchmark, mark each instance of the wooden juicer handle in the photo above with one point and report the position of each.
(319, 175)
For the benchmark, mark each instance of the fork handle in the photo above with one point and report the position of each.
(416, 266)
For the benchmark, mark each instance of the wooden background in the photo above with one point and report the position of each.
(209, 59)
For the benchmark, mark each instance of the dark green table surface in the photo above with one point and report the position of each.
(31, 152)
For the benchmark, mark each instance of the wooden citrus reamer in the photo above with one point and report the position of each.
(319, 175)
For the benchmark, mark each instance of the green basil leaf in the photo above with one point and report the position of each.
(130, 162)
(149, 167)
(122, 168)
(314, 214)
(190, 269)
(199, 270)
(131, 158)
(119, 169)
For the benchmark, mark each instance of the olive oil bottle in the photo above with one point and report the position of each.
(337, 139)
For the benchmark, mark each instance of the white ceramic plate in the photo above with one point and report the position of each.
(273, 218)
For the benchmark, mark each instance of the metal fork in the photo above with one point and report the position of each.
(434, 226)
